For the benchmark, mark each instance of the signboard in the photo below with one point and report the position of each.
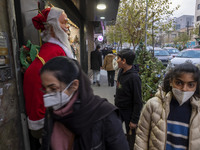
(100, 38)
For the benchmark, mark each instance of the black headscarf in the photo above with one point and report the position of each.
(92, 109)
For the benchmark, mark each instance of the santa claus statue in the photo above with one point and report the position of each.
(53, 24)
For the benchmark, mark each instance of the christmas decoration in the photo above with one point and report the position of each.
(150, 70)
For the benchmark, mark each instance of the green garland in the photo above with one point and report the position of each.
(151, 72)
(28, 53)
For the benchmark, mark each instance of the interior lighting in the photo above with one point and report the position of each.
(101, 6)
(102, 18)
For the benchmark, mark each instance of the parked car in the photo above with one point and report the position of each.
(172, 51)
(157, 48)
(162, 55)
(190, 55)
(137, 47)
(149, 48)
(119, 48)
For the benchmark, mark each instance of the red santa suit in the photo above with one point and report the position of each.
(32, 83)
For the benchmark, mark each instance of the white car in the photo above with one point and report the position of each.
(187, 55)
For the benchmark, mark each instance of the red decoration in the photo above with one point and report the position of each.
(40, 19)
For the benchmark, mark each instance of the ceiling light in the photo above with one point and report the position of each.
(102, 17)
(101, 6)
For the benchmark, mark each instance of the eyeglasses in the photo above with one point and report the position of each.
(52, 90)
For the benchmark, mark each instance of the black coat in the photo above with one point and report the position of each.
(107, 134)
(96, 60)
(94, 122)
(128, 92)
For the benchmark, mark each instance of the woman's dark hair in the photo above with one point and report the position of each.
(128, 55)
(63, 68)
(177, 71)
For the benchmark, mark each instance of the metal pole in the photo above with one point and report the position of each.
(153, 34)
(188, 28)
(199, 36)
(199, 30)
(146, 23)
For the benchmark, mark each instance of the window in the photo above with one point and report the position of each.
(198, 7)
(178, 26)
(198, 18)
(173, 35)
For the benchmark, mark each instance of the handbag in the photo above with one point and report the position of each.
(114, 63)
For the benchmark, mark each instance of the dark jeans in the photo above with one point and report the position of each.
(125, 116)
(111, 76)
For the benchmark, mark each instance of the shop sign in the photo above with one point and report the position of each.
(100, 38)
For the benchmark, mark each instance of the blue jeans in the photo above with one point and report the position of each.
(96, 75)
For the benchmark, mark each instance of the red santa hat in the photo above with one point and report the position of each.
(45, 15)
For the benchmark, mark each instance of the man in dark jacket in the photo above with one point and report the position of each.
(104, 52)
(96, 64)
(128, 91)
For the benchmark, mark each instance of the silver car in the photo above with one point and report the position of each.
(187, 55)
(163, 56)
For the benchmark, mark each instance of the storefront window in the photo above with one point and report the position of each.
(75, 40)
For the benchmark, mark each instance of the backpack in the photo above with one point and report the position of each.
(28, 53)
(114, 63)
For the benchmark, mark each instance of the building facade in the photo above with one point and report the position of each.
(184, 22)
(197, 12)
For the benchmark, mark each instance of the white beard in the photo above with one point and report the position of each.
(60, 35)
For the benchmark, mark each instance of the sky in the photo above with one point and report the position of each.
(187, 7)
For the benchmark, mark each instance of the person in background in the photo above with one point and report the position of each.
(96, 64)
(108, 66)
(170, 120)
(76, 119)
(53, 24)
(104, 52)
(128, 91)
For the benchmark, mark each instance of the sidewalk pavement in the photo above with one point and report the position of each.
(104, 90)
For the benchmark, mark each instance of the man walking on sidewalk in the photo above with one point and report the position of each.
(96, 64)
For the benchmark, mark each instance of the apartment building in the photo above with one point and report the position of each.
(197, 12)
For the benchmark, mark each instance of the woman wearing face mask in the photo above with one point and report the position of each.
(76, 119)
(171, 119)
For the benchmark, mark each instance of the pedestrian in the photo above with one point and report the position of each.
(104, 52)
(108, 66)
(96, 64)
(53, 24)
(128, 91)
(171, 119)
(76, 119)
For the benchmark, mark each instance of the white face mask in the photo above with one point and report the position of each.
(58, 99)
(181, 96)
